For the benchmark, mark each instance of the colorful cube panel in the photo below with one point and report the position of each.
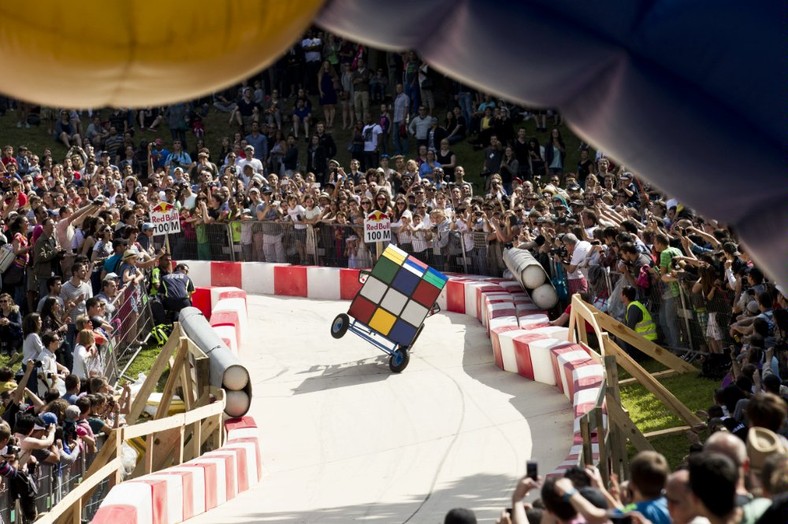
(406, 281)
(385, 269)
(402, 333)
(394, 301)
(414, 313)
(426, 294)
(362, 309)
(373, 290)
(398, 295)
(382, 321)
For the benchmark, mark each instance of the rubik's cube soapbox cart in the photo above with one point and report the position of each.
(390, 308)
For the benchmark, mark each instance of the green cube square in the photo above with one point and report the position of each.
(385, 270)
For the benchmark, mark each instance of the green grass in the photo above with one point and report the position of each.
(649, 414)
(143, 364)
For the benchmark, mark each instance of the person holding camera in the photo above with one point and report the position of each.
(50, 371)
(45, 255)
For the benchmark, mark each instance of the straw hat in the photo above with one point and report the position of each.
(762, 443)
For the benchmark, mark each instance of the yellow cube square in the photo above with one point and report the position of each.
(382, 321)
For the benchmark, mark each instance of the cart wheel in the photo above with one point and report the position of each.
(340, 325)
(399, 360)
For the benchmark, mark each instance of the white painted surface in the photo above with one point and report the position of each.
(344, 439)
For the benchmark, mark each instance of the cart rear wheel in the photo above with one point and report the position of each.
(340, 325)
(399, 360)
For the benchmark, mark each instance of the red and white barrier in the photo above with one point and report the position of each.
(127, 498)
(523, 341)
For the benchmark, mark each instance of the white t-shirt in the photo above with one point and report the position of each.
(371, 133)
(48, 365)
(32, 347)
(294, 212)
(80, 367)
(581, 252)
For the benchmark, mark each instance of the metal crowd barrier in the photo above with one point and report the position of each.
(54, 481)
(693, 316)
(334, 245)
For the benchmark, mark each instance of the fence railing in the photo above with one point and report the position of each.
(160, 443)
(607, 425)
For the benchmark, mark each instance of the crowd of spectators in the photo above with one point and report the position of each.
(730, 479)
(279, 188)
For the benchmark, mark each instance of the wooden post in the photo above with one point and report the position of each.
(172, 381)
(618, 442)
(585, 432)
(617, 416)
(604, 459)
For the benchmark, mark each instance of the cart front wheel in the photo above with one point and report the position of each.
(340, 325)
(399, 360)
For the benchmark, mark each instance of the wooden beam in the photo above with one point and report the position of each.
(172, 381)
(585, 434)
(650, 383)
(651, 349)
(604, 457)
(161, 363)
(659, 374)
(668, 431)
(628, 428)
(64, 510)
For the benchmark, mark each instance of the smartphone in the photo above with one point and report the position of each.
(532, 469)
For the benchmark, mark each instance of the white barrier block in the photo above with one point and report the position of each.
(215, 485)
(541, 359)
(198, 486)
(174, 495)
(199, 272)
(252, 466)
(227, 333)
(128, 494)
(323, 283)
(239, 306)
(257, 278)
(533, 319)
(506, 343)
(216, 293)
(556, 332)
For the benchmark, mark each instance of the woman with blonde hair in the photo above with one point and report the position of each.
(87, 359)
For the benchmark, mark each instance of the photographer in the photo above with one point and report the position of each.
(46, 256)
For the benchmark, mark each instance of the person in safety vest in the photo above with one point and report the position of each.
(636, 316)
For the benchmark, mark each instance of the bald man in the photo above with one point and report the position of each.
(734, 448)
(680, 506)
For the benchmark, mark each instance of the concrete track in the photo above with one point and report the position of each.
(346, 440)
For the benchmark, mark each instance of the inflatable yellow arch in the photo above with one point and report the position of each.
(140, 53)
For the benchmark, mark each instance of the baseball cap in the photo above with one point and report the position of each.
(48, 418)
(72, 413)
(146, 226)
(111, 276)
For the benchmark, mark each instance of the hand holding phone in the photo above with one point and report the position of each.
(532, 469)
